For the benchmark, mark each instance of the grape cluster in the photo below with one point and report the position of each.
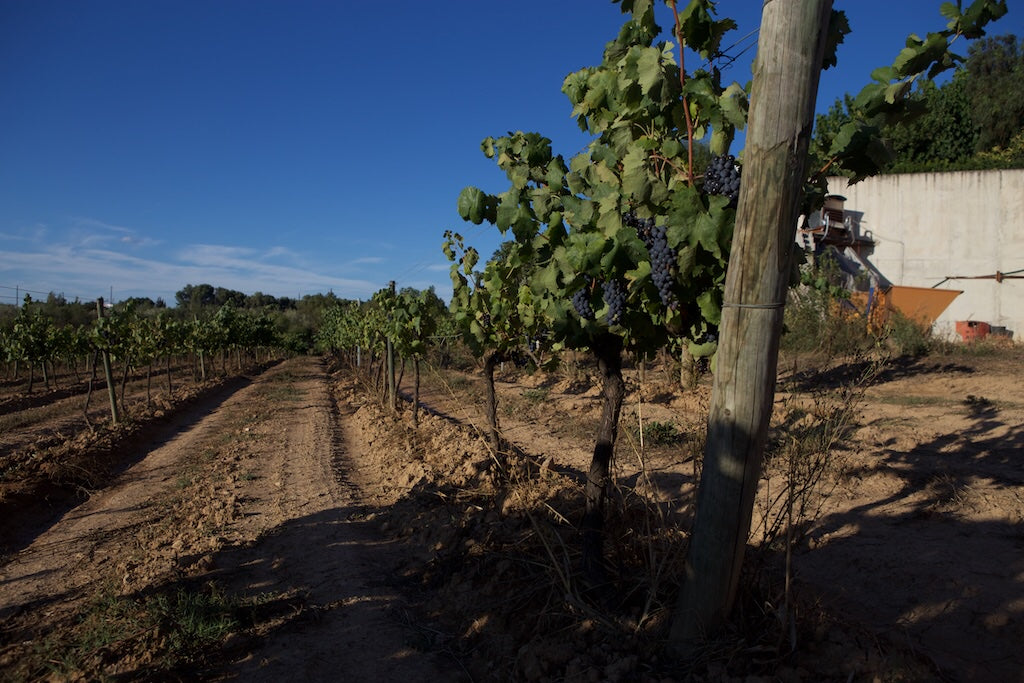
(615, 298)
(581, 302)
(723, 177)
(663, 257)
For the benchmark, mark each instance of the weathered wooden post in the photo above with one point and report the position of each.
(392, 389)
(789, 58)
(115, 416)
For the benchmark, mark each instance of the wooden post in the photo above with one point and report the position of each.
(416, 391)
(789, 57)
(115, 417)
(392, 389)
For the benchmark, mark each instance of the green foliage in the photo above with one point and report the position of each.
(494, 310)
(647, 114)
(942, 135)
(409, 318)
(854, 142)
(32, 335)
(995, 88)
(341, 327)
(537, 395)
(1011, 156)
(172, 628)
(818, 322)
(906, 336)
(566, 217)
(819, 317)
(972, 122)
(661, 433)
(131, 336)
(414, 322)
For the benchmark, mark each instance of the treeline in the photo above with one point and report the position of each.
(193, 297)
(975, 121)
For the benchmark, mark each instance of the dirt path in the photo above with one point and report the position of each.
(257, 497)
(65, 560)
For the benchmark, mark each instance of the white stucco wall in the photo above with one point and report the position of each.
(930, 226)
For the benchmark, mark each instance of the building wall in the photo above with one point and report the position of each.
(930, 226)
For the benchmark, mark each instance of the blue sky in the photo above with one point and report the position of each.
(295, 147)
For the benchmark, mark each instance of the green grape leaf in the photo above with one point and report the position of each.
(635, 179)
(733, 103)
(584, 253)
(951, 12)
(471, 205)
(649, 72)
(838, 29)
(918, 54)
(487, 147)
(672, 148)
(710, 308)
(884, 74)
(704, 350)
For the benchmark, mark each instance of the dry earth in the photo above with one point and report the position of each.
(254, 492)
(338, 543)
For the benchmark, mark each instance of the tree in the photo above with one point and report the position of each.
(954, 126)
(260, 300)
(494, 312)
(194, 297)
(611, 278)
(413, 323)
(222, 296)
(942, 136)
(995, 88)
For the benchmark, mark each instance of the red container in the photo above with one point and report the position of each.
(972, 330)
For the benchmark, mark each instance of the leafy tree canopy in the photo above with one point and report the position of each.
(994, 85)
(973, 121)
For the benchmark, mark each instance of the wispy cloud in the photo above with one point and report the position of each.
(282, 253)
(85, 272)
(366, 260)
(86, 222)
(33, 234)
(90, 232)
(84, 257)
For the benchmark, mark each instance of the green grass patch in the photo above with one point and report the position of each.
(536, 395)
(661, 433)
(169, 630)
(915, 401)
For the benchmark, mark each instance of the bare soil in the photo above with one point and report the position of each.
(319, 537)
